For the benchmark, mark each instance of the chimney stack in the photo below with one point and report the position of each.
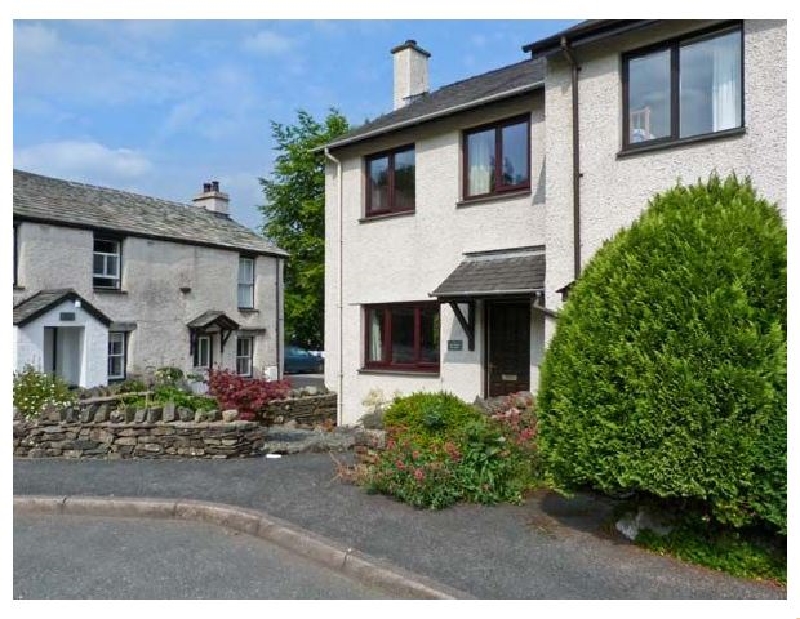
(212, 199)
(410, 72)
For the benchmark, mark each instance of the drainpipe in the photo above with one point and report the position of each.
(340, 395)
(576, 173)
(278, 320)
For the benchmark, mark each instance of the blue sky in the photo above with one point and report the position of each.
(159, 107)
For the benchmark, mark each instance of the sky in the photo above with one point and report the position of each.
(158, 107)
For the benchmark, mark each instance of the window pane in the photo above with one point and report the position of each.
(243, 347)
(515, 154)
(98, 265)
(404, 180)
(105, 246)
(105, 282)
(112, 266)
(115, 343)
(246, 271)
(711, 85)
(403, 335)
(480, 162)
(375, 334)
(114, 367)
(378, 171)
(429, 334)
(649, 97)
(245, 296)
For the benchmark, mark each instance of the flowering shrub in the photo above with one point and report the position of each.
(247, 395)
(168, 376)
(431, 461)
(34, 389)
(165, 393)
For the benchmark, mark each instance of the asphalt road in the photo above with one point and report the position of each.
(306, 380)
(76, 557)
(546, 549)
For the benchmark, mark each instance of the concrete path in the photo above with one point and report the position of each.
(547, 549)
(84, 557)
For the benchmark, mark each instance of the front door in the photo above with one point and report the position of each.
(508, 352)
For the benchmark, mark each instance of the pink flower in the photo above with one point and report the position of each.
(419, 474)
(399, 464)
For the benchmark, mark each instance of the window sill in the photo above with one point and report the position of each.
(248, 310)
(695, 139)
(398, 372)
(495, 197)
(109, 291)
(19, 287)
(369, 218)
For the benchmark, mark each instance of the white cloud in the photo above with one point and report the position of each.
(34, 40)
(83, 161)
(268, 42)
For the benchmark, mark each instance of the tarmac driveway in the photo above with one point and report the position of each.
(547, 549)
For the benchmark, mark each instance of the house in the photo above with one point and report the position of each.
(456, 223)
(109, 283)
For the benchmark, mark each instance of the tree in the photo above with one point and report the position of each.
(295, 219)
(667, 374)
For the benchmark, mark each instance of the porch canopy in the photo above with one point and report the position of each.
(211, 321)
(507, 273)
(43, 301)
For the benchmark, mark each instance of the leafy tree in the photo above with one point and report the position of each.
(295, 219)
(667, 373)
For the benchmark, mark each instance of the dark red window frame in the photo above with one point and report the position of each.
(392, 208)
(418, 364)
(498, 127)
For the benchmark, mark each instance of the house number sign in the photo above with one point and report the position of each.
(455, 344)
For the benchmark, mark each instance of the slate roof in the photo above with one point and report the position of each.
(31, 308)
(494, 275)
(58, 201)
(471, 92)
(206, 319)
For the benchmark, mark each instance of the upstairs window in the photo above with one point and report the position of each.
(403, 336)
(107, 262)
(686, 87)
(497, 158)
(390, 182)
(246, 286)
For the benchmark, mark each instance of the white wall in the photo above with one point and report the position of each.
(94, 350)
(405, 258)
(615, 191)
(153, 273)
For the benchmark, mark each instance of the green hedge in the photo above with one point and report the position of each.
(667, 372)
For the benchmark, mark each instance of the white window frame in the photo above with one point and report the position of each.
(246, 285)
(248, 358)
(107, 273)
(119, 337)
(198, 352)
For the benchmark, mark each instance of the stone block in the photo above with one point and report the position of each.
(186, 414)
(140, 415)
(52, 431)
(230, 415)
(153, 447)
(154, 414)
(213, 415)
(86, 415)
(101, 414)
(72, 453)
(229, 441)
(168, 414)
(162, 431)
(211, 441)
(127, 432)
(117, 416)
(130, 414)
(125, 440)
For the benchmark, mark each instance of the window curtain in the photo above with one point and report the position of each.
(481, 151)
(376, 336)
(726, 91)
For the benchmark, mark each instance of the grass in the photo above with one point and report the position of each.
(746, 554)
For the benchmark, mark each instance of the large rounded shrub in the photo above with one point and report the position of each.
(667, 373)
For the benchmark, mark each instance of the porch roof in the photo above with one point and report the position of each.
(213, 318)
(518, 272)
(43, 301)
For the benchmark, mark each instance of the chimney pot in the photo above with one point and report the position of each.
(214, 185)
(212, 199)
(206, 187)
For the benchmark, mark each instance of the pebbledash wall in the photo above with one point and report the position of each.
(614, 190)
(153, 273)
(404, 258)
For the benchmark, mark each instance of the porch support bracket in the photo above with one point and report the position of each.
(468, 323)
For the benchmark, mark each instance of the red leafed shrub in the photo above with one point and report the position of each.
(249, 396)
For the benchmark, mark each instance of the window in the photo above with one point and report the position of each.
(683, 88)
(16, 255)
(497, 158)
(244, 356)
(116, 355)
(403, 336)
(244, 295)
(202, 352)
(107, 262)
(390, 182)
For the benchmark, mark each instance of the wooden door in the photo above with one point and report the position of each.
(508, 354)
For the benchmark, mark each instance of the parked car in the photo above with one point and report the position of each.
(296, 360)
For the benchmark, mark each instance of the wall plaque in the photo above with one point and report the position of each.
(455, 344)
